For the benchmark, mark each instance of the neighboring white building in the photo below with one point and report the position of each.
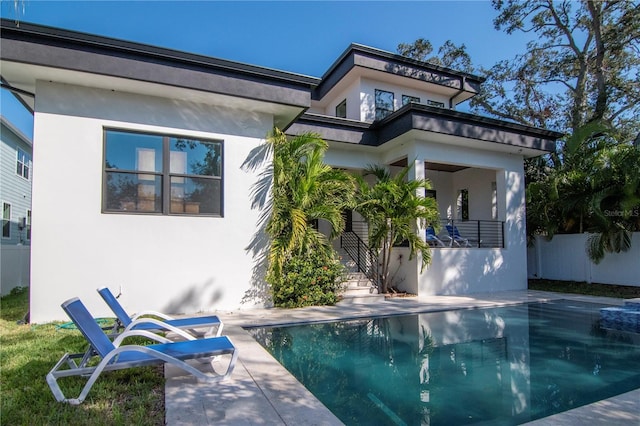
(148, 159)
(15, 201)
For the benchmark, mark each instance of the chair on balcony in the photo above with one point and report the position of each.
(456, 239)
(432, 238)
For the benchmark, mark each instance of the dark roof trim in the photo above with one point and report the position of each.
(365, 56)
(88, 41)
(431, 119)
(335, 129)
(355, 47)
(465, 117)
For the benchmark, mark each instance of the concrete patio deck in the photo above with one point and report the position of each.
(262, 392)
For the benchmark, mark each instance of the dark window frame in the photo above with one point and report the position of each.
(381, 110)
(343, 105)
(407, 99)
(6, 222)
(463, 205)
(27, 224)
(435, 103)
(165, 174)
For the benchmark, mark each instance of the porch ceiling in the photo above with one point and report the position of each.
(440, 167)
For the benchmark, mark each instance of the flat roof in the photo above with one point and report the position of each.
(365, 57)
(32, 52)
(439, 122)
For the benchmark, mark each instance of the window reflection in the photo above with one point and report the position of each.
(182, 176)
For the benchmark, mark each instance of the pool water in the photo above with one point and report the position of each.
(502, 366)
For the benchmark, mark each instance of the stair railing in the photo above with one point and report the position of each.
(365, 258)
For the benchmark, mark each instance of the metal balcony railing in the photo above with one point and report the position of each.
(469, 233)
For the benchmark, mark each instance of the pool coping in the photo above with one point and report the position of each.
(262, 392)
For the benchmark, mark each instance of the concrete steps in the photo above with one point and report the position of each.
(358, 289)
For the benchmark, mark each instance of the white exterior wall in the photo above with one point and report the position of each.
(368, 102)
(173, 264)
(442, 183)
(565, 258)
(478, 270)
(461, 270)
(478, 182)
(351, 94)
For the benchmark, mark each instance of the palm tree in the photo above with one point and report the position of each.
(595, 189)
(304, 191)
(393, 208)
(615, 202)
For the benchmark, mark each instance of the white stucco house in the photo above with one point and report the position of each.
(16, 169)
(146, 174)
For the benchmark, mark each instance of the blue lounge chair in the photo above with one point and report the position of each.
(432, 238)
(185, 327)
(115, 356)
(455, 237)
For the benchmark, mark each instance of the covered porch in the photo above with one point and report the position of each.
(476, 168)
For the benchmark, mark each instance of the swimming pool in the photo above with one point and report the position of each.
(504, 365)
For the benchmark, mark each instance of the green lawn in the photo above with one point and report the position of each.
(28, 352)
(606, 290)
(135, 396)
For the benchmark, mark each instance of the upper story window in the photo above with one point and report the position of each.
(341, 109)
(23, 164)
(6, 220)
(384, 103)
(152, 173)
(435, 103)
(406, 99)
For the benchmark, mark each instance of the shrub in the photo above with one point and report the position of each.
(307, 280)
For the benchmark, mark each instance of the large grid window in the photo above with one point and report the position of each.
(162, 174)
(384, 103)
(23, 164)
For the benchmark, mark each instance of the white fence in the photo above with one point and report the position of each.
(565, 258)
(14, 267)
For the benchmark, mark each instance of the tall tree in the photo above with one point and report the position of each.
(582, 65)
(596, 189)
(393, 208)
(449, 54)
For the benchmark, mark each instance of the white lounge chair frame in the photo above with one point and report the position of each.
(116, 356)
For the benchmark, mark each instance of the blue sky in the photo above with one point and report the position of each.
(297, 36)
